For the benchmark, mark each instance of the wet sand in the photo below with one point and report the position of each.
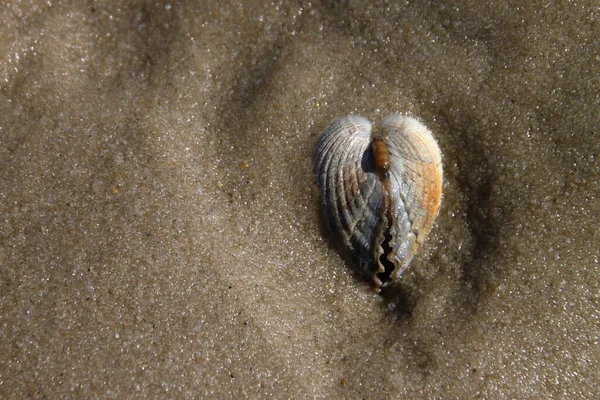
(160, 232)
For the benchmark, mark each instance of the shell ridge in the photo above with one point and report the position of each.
(403, 230)
(332, 158)
(418, 160)
(351, 198)
(346, 223)
(344, 198)
(330, 149)
(354, 196)
(352, 193)
(331, 140)
(369, 203)
(333, 198)
(323, 149)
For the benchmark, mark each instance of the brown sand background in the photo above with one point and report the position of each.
(159, 227)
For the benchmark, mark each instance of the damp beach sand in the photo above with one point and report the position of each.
(159, 215)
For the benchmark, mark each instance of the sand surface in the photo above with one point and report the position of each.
(159, 225)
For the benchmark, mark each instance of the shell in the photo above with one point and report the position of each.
(380, 191)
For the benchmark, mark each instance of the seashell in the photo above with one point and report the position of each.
(380, 191)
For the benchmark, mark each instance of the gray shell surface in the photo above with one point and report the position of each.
(379, 216)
